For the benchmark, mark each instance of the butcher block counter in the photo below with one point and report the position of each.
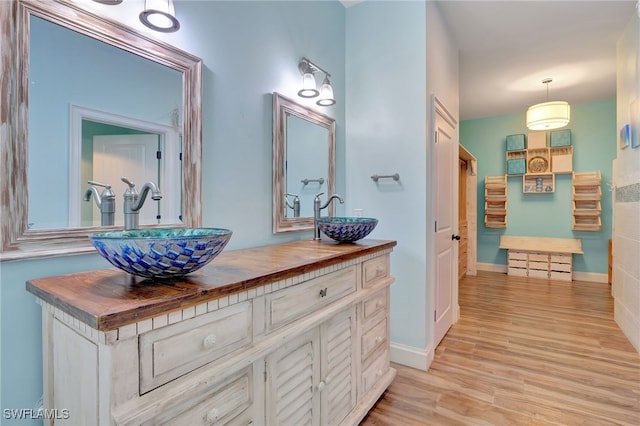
(228, 343)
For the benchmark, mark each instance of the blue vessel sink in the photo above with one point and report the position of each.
(346, 229)
(161, 252)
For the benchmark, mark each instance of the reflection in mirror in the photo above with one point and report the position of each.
(303, 163)
(304, 179)
(78, 81)
(66, 70)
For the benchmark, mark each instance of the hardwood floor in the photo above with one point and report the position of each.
(524, 352)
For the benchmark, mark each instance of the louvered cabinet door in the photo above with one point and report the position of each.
(338, 373)
(293, 375)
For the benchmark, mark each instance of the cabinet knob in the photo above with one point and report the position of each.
(321, 386)
(379, 303)
(323, 292)
(212, 415)
(379, 339)
(209, 341)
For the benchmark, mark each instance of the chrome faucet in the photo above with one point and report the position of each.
(106, 202)
(316, 211)
(296, 204)
(133, 201)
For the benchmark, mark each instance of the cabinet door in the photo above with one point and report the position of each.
(338, 385)
(293, 375)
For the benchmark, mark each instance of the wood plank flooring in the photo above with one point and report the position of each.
(524, 352)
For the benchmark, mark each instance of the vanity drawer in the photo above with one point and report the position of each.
(375, 304)
(374, 372)
(374, 338)
(374, 270)
(170, 352)
(226, 402)
(285, 306)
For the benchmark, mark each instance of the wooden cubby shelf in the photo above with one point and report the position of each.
(495, 201)
(538, 183)
(537, 159)
(586, 198)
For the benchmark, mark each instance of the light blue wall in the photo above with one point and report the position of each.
(249, 49)
(594, 138)
(386, 134)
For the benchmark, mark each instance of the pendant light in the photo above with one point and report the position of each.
(548, 115)
(160, 15)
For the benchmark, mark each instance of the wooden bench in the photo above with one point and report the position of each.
(541, 257)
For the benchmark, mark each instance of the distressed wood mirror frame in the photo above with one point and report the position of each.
(283, 107)
(16, 240)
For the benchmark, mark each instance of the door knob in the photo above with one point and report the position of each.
(455, 237)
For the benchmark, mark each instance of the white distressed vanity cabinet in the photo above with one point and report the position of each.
(290, 334)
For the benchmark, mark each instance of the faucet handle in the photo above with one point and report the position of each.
(103, 185)
(319, 194)
(128, 182)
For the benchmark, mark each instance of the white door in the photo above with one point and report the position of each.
(446, 168)
(131, 156)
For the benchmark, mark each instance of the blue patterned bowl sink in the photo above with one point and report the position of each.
(346, 229)
(161, 252)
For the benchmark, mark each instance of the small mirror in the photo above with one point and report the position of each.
(303, 163)
(52, 131)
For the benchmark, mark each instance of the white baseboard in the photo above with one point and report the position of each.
(578, 276)
(591, 276)
(492, 267)
(411, 357)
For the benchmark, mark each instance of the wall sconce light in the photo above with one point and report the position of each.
(309, 90)
(308, 80)
(548, 115)
(160, 15)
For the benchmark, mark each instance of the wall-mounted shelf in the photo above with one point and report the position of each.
(586, 197)
(495, 201)
(537, 156)
(561, 159)
(538, 183)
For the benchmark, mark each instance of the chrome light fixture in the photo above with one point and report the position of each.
(548, 115)
(309, 90)
(160, 15)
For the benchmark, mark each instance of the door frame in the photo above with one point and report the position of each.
(472, 209)
(170, 165)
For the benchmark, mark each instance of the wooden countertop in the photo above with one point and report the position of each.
(110, 298)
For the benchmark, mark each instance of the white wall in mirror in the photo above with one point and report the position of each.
(67, 68)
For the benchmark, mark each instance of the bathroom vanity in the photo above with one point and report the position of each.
(295, 333)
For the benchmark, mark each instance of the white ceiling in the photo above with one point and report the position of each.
(508, 47)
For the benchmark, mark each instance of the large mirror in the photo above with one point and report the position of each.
(303, 163)
(63, 110)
